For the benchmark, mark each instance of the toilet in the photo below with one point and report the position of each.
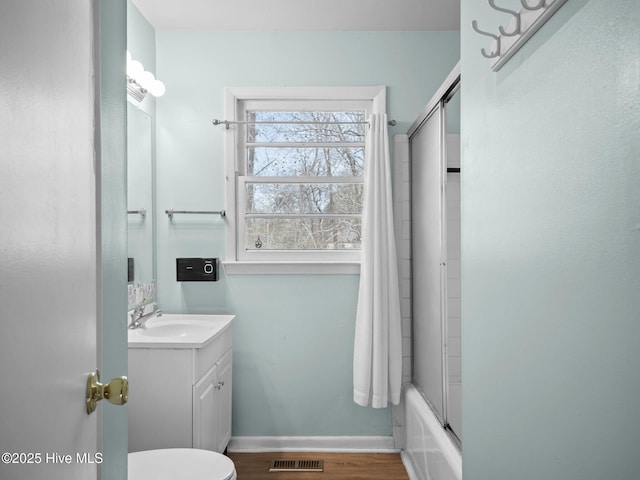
(180, 463)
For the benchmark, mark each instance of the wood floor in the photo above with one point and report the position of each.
(337, 466)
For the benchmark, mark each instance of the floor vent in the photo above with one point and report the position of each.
(296, 466)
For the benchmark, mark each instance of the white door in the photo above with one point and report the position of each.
(48, 240)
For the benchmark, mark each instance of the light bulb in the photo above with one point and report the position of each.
(145, 80)
(157, 88)
(134, 69)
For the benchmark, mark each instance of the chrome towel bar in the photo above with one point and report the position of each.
(171, 212)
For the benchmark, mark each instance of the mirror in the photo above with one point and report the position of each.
(140, 203)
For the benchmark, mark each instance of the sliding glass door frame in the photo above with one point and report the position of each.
(430, 369)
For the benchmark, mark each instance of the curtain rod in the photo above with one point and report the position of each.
(226, 123)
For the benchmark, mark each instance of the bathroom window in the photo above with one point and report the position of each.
(297, 179)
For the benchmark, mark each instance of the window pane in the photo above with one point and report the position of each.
(303, 234)
(309, 162)
(320, 131)
(296, 198)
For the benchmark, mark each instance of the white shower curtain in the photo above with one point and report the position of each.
(377, 358)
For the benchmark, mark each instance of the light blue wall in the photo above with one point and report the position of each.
(551, 248)
(293, 338)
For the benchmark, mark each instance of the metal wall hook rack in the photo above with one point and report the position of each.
(496, 38)
(171, 212)
(541, 4)
(523, 25)
(514, 14)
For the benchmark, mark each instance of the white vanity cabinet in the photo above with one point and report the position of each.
(180, 394)
(212, 407)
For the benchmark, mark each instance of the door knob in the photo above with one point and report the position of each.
(116, 391)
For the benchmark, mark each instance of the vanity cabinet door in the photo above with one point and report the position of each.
(223, 402)
(204, 411)
(212, 407)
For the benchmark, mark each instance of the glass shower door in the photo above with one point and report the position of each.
(427, 260)
(436, 260)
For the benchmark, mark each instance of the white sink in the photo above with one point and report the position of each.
(178, 331)
(173, 328)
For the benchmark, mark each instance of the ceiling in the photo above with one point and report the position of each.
(302, 14)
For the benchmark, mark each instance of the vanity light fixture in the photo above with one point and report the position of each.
(139, 81)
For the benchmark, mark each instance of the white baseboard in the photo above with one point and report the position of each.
(312, 444)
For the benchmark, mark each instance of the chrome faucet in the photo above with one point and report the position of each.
(139, 318)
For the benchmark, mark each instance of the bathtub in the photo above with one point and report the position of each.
(428, 453)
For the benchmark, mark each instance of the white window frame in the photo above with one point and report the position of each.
(237, 262)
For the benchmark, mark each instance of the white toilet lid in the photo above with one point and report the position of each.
(180, 464)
